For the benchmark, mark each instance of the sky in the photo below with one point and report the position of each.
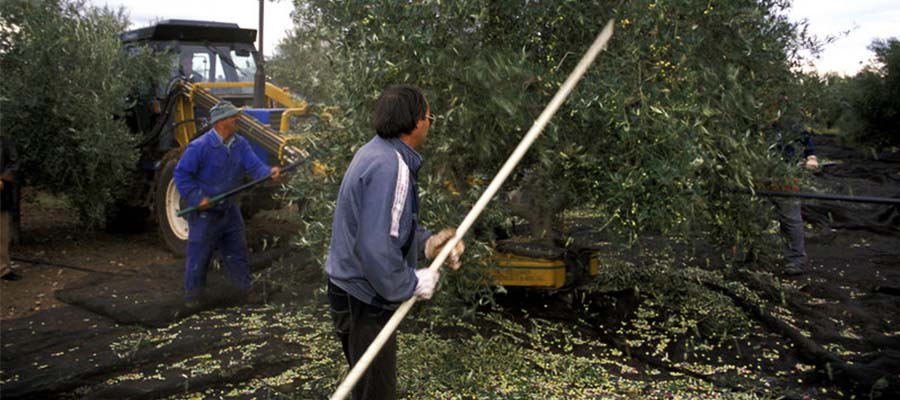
(864, 19)
(245, 13)
(855, 23)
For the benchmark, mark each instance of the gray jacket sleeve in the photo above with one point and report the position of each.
(422, 236)
(380, 252)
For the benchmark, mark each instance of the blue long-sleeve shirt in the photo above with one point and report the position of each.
(210, 167)
(376, 239)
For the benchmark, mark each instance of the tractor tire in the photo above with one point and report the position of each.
(167, 202)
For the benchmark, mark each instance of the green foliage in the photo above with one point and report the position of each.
(824, 101)
(303, 63)
(63, 108)
(866, 106)
(874, 97)
(660, 136)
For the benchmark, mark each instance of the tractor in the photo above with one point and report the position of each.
(212, 61)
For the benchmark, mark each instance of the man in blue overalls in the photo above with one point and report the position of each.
(212, 164)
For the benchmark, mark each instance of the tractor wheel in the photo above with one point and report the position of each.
(172, 228)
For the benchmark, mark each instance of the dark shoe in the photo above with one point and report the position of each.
(192, 305)
(251, 297)
(12, 276)
(793, 271)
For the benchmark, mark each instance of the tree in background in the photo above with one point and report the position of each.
(865, 107)
(874, 97)
(659, 137)
(824, 102)
(66, 84)
(302, 62)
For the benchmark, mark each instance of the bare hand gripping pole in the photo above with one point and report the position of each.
(599, 44)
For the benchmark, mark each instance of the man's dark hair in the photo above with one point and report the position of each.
(398, 109)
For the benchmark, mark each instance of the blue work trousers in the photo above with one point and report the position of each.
(211, 230)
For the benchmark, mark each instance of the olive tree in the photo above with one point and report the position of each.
(66, 86)
(665, 134)
(301, 63)
(874, 97)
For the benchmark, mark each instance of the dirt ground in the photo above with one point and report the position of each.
(50, 233)
(107, 320)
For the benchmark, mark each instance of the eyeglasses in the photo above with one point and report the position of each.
(430, 117)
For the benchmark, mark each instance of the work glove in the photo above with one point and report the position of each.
(427, 282)
(436, 242)
(811, 163)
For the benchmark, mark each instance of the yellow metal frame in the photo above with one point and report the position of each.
(185, 129)
(281, 96)
(275, 96)
(516, 270)
(594, 264)
(287, 114)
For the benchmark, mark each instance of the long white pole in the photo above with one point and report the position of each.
(599, 44)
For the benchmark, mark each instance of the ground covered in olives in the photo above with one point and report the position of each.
(660, 321)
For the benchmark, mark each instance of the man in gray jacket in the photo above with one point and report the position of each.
(376, 239)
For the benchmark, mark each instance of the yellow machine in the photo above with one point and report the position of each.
(200, 95)
(553, 270)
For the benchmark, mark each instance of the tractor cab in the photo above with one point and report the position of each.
(205, 51)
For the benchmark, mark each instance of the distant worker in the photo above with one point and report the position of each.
(8, 204)
(376, 237)
(214, 163)
(791, 141)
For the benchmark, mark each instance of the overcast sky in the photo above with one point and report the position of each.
(864, 19)
(245, 13)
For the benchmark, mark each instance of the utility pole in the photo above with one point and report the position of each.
(259, 82)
